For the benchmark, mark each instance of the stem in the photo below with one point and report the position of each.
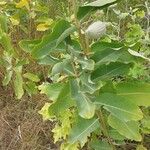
(104, 127)
(78, 25)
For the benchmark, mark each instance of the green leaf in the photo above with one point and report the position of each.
(45, 111)
(18, 82)
(63, 127)
(31, 88)
(87, 64)
(105, 72)
(63, 102)
(51, 90)
(3, 23)
(137, 92)
(98, 4)
(141, 147)
(48, 43)
(31, 76)
(5, 41)
(57, 68)
(128, 129)
(28, 45)
(48, 60)
(87, 86)
(134, 53)
(100, 145)
(120, 107)
(63, 67)
(67, 67)
(67, 146)
(115, 135)
(102, 46)
(82, 129)
(85, 106)
(110, 52)
(65, 34)
(7, 77)
(146, 122)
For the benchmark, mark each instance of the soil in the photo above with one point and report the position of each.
(21, 127)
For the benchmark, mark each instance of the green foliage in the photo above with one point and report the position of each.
(98, 91)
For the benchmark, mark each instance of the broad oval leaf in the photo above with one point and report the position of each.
(105, 72)
(48, 42)
(128, 129)
(138, 93)
(120, 107)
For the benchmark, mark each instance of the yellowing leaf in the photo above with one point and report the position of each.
(3, 3)
(66, 146)
(14, 21)
(23, 3)
(45, 112)
(42, 27)
(141, 147)
(62, 130)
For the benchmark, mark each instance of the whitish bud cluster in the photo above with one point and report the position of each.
(96, 30)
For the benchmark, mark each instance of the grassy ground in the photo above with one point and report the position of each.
(21, 127)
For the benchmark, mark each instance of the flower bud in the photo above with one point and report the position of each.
(96, 30)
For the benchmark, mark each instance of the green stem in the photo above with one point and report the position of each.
(104, 127)
(78, 25)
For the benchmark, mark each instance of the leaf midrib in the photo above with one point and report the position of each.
(85, 130)
(118, 109)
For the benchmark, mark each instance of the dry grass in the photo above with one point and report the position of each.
(21, 127)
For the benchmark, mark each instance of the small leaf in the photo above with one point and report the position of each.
(128, 129)
(31, 77)
(51, 90)
(87, 85)
(68, 146)
(141, 147)
(28, 45)
(31, 88)
(82, 129)
(7, 77)
(87, 64)
(134, 53)
(146, 122)
(3, 23)
(45, 111)
(14, 20)
(42, 27)
(23, 3)
(18, 82)
(57, 68)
